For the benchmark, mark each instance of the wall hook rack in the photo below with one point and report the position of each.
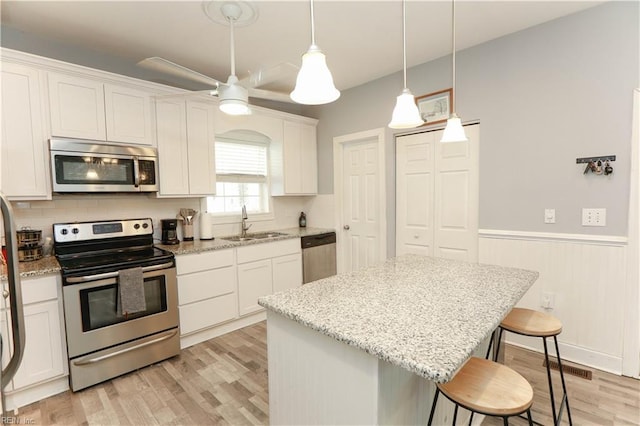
(597, 165)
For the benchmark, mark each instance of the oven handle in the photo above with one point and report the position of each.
(75, 280)
(87, 361)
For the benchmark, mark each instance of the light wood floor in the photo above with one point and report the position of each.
(224, 381)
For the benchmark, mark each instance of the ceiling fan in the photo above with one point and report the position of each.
(234, 94)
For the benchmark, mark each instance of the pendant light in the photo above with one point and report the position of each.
(314, 85)
(405, 114)
(453, 132)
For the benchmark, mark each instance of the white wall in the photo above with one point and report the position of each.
(71, 208)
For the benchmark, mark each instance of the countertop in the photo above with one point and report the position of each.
(424, 314)
(49, 265)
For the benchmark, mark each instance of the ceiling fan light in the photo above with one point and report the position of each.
(234, 99)
(454, 132)
(314, 84)
(405, 114)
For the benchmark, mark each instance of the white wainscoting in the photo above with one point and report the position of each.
(586, 276)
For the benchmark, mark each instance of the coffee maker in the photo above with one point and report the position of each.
(169, 231)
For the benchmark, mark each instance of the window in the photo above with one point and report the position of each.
(242, 174)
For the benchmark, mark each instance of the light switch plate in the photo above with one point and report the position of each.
(549, 215)
(594, 217)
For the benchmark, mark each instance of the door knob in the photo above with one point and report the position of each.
(347, 227)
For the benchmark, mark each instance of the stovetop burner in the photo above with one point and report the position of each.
(96, 247)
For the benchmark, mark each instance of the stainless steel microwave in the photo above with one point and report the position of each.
(88, 166)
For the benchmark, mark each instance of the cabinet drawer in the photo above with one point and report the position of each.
(39, 289)
(208, 313)
(189, 263)
(268, 250)
(206, 284)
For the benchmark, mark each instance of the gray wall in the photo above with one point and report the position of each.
(544, 97)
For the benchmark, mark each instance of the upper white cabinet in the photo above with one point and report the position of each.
(89, 109)
(186, 148)
(294, 167)
(24, 152)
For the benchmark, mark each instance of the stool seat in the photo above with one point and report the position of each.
(531, 323)
(489, 388)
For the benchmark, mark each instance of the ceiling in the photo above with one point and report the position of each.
(361, 39)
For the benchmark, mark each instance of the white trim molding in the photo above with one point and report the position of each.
(553, 236)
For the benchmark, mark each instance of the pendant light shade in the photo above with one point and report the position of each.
(453, 132)
(405, 114)
(314, 85)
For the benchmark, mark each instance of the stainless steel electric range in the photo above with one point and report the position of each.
(102, 341)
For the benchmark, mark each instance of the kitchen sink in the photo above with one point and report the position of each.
(256, 236)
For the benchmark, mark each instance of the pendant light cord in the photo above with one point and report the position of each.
(453, 50)
(313, 27)
(404, 43)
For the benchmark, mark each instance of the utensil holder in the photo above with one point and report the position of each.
(187, 232)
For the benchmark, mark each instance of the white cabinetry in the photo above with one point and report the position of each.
(186, 148)
(24, 161)
(90, 109)
(266, 268)
(294, 167)
(206, 289)
(45, 351)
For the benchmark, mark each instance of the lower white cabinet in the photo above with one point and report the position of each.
(45, 349)
(207, 286)
(266, 268)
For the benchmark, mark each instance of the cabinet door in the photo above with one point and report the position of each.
(171, 124)
(128, 115)
(254, 280)
(24, 160)
(201, 144)
(43, 355)
(300, 159)
(77, 107)
(287, 272)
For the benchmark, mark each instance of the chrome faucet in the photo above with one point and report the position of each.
(245, 228)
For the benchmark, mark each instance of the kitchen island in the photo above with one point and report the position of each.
(366, 347)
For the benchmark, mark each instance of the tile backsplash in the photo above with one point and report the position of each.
(80, 208)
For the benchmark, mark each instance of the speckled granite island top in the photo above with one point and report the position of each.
(424, 314)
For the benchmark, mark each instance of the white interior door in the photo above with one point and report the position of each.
(456, 197)
(361, 201)
(437, 195)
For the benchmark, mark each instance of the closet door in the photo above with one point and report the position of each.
(437, 195)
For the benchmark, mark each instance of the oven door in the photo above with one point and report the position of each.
(92, 319)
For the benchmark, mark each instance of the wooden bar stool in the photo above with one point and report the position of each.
(486, 387)
(528, 322)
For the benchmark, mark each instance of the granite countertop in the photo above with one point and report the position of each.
(198, 246)
(46, 266)
(424, 314)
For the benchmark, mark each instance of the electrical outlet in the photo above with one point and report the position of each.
(549, 215)
(594, 217)
(547, 300)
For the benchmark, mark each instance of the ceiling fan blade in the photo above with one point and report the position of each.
(156, 63)
(270, 95)
(196, 93)
(285, 71)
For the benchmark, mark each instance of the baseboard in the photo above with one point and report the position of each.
(210, 333)
(22, 397)
(568, 352)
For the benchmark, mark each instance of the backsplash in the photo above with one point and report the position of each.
(79, 208)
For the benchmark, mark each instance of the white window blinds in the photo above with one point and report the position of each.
(241, 159)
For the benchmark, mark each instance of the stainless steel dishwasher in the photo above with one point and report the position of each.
(318, 256)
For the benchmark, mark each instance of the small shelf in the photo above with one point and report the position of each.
(595, 159)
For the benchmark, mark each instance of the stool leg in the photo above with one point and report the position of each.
(433, 406)
(490, 344)
(455, 415)
(553, 402)
(506, 421)
(471, 418)
(529, 417)
(565, 397)
(497, 345)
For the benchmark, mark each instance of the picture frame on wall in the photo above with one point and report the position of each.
(435, 107)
